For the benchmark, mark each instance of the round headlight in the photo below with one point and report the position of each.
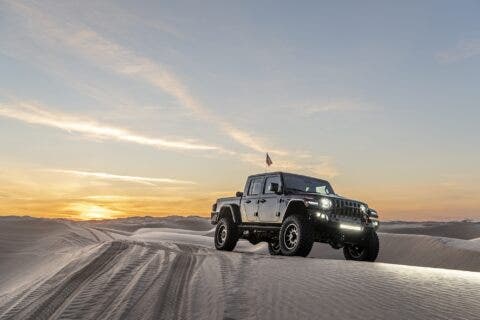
(325, 203)
(363, 208)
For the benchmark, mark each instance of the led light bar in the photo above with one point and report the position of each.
(350, 227)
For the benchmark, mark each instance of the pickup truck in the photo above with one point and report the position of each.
(291, 212)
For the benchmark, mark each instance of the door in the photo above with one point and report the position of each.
(269, 200)
(250, 201)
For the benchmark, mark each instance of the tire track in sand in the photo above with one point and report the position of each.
(105, 233)
(170, 302)
(48, 307)
(92, 233)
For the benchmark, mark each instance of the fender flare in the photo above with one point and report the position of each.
(295, 200)
(233, 210)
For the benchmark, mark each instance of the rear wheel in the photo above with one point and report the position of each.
(296, 236)
(226, 234)
(365, 251)
(274, 248)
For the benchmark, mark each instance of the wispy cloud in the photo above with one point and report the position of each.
(115, 177)
(118, 59)
(33, 114)
(106, 54)
(335, 105)
(464, 49)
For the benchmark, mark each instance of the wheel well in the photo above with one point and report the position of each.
(232, 211)
(295, 207)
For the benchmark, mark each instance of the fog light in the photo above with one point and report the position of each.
(322, 216)
(375, 223)
(350, 227)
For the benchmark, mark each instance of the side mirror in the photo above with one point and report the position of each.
(239, 194)
(274, 187)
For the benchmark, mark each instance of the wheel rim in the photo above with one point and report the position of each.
(355, 251)
(290, 238)
(222, 234)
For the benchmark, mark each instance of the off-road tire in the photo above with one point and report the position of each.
(299, 242)
(226, 234)
(366, 251)
(274, 248)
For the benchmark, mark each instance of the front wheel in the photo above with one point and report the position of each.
(226, 234)
(296, 236)
(366, 251)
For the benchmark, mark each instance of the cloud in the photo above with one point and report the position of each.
(337, 105)
(33, 114)
(124, 62)
(115, 177)
(118, 59)
(87, 44)
(464, 49)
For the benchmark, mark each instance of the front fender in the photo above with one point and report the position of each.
(294, 206)
(227, 209)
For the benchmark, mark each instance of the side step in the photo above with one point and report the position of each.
(263, 227)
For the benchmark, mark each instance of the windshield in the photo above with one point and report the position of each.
(294, 183)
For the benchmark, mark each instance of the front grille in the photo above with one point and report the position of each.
(346, 208)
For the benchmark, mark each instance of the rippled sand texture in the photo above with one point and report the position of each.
(65, 270)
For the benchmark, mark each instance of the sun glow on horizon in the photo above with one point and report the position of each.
(88, 211)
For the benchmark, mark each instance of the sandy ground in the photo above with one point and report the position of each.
(166, 269)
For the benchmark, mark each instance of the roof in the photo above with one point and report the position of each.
(282, 172)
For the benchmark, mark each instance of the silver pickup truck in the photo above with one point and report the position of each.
(291, 212)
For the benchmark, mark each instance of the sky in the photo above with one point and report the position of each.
(118, 108)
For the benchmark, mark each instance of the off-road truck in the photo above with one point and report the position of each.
(291, 212)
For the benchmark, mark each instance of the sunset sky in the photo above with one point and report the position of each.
(113, 109)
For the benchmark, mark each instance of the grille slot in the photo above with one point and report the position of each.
(346, 208)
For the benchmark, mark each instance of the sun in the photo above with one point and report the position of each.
(88, 211)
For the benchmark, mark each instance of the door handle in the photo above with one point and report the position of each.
(248, 201)
(262, 201)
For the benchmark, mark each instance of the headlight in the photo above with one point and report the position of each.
(325, 203)
(363, 208)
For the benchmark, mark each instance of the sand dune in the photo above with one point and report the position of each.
(80, 271)
(418, 250)
(413, 250)
(451, 229)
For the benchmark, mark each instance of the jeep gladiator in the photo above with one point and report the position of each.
(291, 212)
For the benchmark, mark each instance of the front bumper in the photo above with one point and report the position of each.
(214, 217)
(343, 223)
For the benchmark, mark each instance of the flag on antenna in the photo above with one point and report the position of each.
(268, 160)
